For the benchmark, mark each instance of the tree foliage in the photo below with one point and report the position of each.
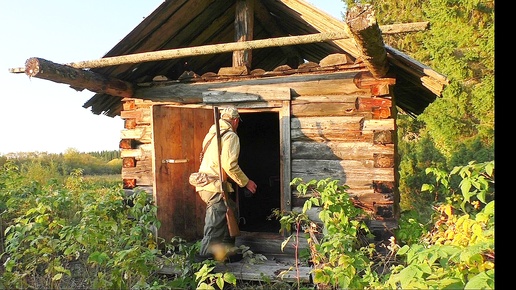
(459, 126)
(44, 165)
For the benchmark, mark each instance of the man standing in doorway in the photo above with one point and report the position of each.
(216, 233)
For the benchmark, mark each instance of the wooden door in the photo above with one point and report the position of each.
(177, 139)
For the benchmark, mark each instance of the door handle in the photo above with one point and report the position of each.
(174, 161)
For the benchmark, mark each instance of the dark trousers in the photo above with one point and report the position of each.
(215, 224)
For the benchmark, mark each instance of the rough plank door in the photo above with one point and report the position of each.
(177, 138)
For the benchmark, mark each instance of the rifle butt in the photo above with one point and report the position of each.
(234, 231)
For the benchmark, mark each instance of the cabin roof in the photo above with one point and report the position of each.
(190, 23)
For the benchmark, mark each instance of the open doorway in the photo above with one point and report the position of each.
(260, 160)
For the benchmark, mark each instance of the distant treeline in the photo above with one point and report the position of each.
(106, 155)
(90, 163)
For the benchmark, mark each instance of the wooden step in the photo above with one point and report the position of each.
(279, 266)
(273, 269)
(271, 243)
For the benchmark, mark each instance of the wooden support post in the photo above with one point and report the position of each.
(244, 24)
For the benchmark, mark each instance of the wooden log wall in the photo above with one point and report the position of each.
(349, 137)
(136, 145)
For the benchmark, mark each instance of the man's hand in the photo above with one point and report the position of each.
(251, 186)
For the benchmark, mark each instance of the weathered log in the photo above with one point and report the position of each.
(378, 125)
(140, 117)
(335, 150)
(362, 24)
(77, 79)
(130, 123)
(367, 104)
(208, 49)
(132, 114)
(246, 94)
(381, 112)
(127, 144)
(377, 86)
(380, 90)
(335, 59)
(129, 105)
(366, 80)
(383, 160)
(330, 123)
(323, 109)
(347, 171)
(244, 27)
(234, 71)
(404, 27)
(128, 162)
(383, 137)
(384, 187)
(129, 183)
(332, 135)
(347, 97)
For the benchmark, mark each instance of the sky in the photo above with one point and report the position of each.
(43, 116)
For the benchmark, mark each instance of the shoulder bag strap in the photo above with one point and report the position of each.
(208, 143)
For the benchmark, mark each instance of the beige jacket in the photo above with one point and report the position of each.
(230, 151)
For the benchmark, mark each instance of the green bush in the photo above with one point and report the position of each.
(62, 234)
(452, 250)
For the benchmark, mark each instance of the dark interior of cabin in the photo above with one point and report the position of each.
(260, 160)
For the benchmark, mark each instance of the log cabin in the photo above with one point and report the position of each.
(318, 97)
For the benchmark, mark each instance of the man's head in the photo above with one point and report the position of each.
(231, 114)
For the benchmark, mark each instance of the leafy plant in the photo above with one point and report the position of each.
(457, 254)
(77, 233)
(339, 258)
(475, 185)
(53, 227)
(458, 251)
(206, 279)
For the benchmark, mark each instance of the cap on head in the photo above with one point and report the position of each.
(228, 113)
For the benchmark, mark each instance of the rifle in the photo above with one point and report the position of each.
(230, 214)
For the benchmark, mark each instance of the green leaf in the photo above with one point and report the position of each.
(427, 187)
(483, 280)
(465, 186)
(220, 283)
(450, 283)
(403, 250)
(57, 277)
(98, 257)
(230, 278)
(490, 168)
(409, 274)
(204, 286)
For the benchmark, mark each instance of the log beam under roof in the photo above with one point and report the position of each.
(78, 79)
